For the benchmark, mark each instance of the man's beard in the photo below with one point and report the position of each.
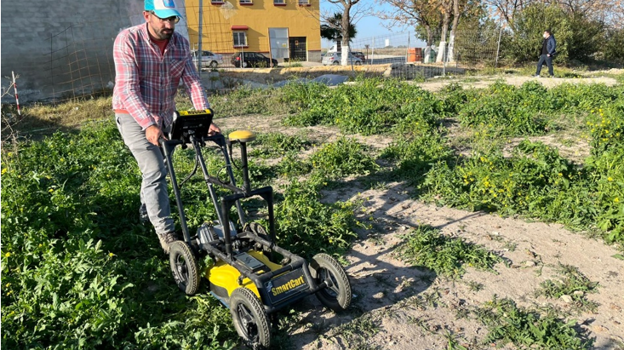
(165, 34)
(162, 34)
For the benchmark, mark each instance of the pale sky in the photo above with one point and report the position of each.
(369, 26)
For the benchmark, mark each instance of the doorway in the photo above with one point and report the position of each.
(298, 48)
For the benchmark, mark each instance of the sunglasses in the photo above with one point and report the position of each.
(174, 19)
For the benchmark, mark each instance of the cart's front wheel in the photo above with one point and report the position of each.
(249, 318)
(326, 270)
(184, 267)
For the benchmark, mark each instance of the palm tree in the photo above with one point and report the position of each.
(332, 29)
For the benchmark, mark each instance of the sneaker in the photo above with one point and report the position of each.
(537, 76)
(143, 214)
(166, 239)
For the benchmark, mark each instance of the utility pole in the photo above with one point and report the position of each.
(200, 54)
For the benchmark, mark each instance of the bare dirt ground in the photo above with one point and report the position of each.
(397, 306)
(483, 82)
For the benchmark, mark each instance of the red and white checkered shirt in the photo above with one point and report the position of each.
(146, 81)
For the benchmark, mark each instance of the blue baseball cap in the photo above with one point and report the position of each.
(162, 8)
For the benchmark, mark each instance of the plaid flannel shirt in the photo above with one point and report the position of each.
(146, 81)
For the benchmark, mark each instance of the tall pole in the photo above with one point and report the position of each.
(200, 53)
(500, 35)
(408, 48)
(16, 97)
(373, 51)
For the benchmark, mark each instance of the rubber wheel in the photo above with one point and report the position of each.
(358, 63)
(213, 64)
(249, 318)
(337, 295)
(184, 267)
(336, 63)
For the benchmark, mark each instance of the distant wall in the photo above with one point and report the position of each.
(63, 48)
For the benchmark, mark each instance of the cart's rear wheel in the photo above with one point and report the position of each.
(337, 294)
(249, 318)
(184, 267)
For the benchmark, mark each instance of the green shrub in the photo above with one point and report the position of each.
(306, 226)
(78, 270)
(514, 111)
(447, 256)
(414, 156)
(342, 158)
(525, 328)
(370, 106)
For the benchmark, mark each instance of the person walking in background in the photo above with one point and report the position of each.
(549, 48)
(150, 61)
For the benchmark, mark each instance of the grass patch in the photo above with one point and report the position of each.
(525, 328)
(342, 158)
(276, 144)
(425, 246)
(358, 332)
(573, 284)
(370, 106)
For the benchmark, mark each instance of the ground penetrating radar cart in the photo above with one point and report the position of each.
(251, 274)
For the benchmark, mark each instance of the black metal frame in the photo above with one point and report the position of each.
(222, 249)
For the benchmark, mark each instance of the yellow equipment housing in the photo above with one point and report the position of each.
(224, 278)
(241, 136)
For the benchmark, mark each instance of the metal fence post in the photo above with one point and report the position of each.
(373, 52)
(200, 54)
(500, 34)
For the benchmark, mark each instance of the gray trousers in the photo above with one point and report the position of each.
(154, 194)
(548, 60)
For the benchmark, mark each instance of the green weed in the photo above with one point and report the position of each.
(507, 323)
(414, 156)
(425, 246)
(536, 181)
(573, 284)
(306, 226)
(358, 332)
(78, 270)
(275, 144)
(475, 286)
(371, 106)
(342, 158)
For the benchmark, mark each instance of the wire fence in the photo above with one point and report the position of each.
(411, 58)
(80, 61)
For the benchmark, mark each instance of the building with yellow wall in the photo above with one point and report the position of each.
(283, 29)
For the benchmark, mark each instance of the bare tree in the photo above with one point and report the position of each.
(460, 9)
(610, 12)
(346, 6)
(445, 8)
(451, 47)
(506, 10)
(412, 13)
(430, 14)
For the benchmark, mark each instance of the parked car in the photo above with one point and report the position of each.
(334, 58)
(208, 59)
(359, 55)
(252, 59)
